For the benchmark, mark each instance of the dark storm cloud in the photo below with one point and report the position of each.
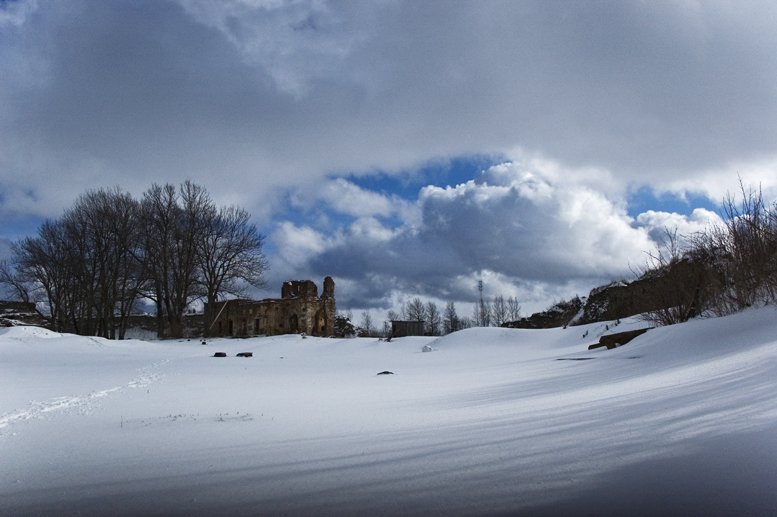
(270, 95)
(632, 87)
(133, 93)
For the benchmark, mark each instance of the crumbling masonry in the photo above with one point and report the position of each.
(299, 310)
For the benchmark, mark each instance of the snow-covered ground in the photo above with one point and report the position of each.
(681, 421)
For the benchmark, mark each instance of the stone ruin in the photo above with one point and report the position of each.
(20, 313)
(299, 310)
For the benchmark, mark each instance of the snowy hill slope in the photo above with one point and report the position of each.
(681, 420)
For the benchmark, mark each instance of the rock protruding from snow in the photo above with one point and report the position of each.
(615, 340)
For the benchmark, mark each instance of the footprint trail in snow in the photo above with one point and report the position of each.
(82, 404)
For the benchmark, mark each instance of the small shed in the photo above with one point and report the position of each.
(402, 328)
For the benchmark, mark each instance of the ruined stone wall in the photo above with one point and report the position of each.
(299, 289)
(21, 313)
(299, 310)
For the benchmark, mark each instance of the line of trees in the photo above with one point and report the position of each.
(173, 246)
(437, 322)
(496, 312)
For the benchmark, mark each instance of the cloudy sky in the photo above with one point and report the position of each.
(405, 148)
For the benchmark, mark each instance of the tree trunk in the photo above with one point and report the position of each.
(160, 318)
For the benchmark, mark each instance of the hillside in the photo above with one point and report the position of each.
(682, 420)
(656, 290)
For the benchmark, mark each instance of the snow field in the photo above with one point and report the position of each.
(493, 420)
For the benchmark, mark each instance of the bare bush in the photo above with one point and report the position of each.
(722, 270)
(750, 244)
(685, 280)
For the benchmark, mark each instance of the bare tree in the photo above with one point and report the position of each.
(498, 310)
(81, 261)
(130, 274)
(175, 223)
(386, 332)
(366, 326)
(16, 285)
(450, 319)
(481, 316)
(387, 327)
(103, 231)
(465, 323)
(173, 247)
(513, 309)
(42, 262)
(415, 310)
(230, 256)
(433, 319)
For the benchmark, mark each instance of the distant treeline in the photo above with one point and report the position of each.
(174, 245)
(486, 312)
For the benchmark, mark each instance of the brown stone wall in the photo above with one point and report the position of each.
(299, 289)
(299, 310)
(12, 313)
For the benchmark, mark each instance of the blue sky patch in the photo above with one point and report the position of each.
(646, 199)
(441, 172)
